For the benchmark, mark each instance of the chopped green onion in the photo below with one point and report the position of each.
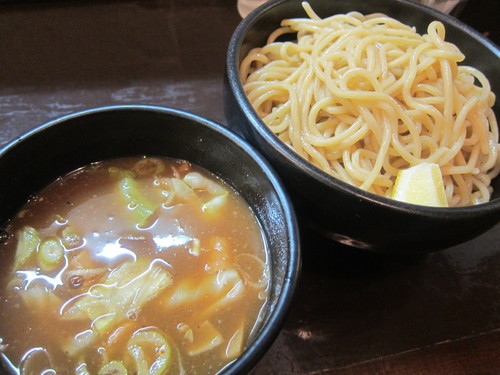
(113, 368)
(50, 253)
(157, 344)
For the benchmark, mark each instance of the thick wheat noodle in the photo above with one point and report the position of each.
(364, 96)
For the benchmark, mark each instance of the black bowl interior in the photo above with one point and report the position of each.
(379, 223)
(52, 150)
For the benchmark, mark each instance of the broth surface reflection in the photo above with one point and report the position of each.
(136, 265)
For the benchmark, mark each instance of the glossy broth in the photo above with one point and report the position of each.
(153, 265)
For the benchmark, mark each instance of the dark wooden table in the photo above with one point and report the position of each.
(354, 312)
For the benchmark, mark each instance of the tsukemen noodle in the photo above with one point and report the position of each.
(363, 97)
(139, 265)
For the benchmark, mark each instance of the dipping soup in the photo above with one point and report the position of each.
(139, 265)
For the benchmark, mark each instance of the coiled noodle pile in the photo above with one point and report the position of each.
(362, 97)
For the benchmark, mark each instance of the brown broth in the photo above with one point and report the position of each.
(186, 275)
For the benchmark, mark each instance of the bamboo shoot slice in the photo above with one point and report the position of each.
(205, 337)
(235, 343)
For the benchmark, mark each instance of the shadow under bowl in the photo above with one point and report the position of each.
(332, 207)
(34, 160)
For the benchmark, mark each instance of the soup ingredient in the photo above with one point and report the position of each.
(157, 344)
(113, 368)
(28, 240)
(132, 266)
(421, 184)
(122, 295)
(50, 254)
(137, 202)
(36, 361)
(364, 96)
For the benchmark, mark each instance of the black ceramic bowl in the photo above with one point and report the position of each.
(337, 209)
(37, 158)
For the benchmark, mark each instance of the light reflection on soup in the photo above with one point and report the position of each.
(136, 265)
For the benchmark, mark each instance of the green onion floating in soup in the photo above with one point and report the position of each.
(140, 265)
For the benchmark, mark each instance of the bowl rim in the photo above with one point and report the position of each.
(270, 328)
(232, 72)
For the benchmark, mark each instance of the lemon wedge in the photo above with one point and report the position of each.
(421, 184)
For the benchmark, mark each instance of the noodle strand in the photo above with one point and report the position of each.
(362, 97)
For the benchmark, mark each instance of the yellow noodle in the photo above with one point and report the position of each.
(364, 96)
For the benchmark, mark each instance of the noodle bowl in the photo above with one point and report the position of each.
(114, 132)
(364, 96)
